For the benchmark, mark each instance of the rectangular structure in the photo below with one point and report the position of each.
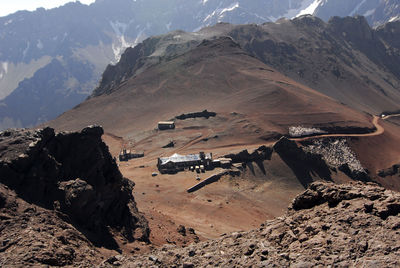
(178, 162)
(163, 125)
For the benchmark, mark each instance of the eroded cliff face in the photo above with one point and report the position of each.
(349, 225)
(71, 178)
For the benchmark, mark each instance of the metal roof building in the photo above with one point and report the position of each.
(177, 161)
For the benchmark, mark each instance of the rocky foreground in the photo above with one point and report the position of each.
(62, 198)
(352, 225)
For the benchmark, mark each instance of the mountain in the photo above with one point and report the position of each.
(262, 82)
(377, 12)
(216, 74)
(74, 210)
(344, 58)
(87, 38)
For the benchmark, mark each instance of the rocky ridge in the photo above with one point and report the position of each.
(336, 152)
(322, 55)
(61, 196)
(356, 225)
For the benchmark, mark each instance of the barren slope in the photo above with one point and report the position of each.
(217, 75)
(351, 225)
(254, 105)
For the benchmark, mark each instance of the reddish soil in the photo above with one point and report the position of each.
(380, 152)
(254, 105)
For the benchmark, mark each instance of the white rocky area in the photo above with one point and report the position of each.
(335, 152)
(300, 131)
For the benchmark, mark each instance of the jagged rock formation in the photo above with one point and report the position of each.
(322, 158)
(86, 38)
(336, 152)
(33, 236)
(304, 164)
(260, 154)
(351, 225)
(343, 58)
(73, 184)
(393, 170)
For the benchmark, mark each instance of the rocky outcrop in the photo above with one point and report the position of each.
(34, 236)
(318, 158)
(393, 170)
(204, 114)
(337, 153)
(71, 175)
(260, 154)
(305, 165)
(351, 225)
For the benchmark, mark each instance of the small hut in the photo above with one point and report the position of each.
(164, 125)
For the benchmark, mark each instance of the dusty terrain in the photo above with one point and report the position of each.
(350, 225)
(259, 88)
(63, 200)
(219, 208)
(255, 105)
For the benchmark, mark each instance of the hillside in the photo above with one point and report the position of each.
(217, 75)
(344, 58)
(79, 41)
(257, 96)
(57, 211)
(339, 225)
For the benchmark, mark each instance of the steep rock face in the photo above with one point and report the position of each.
(260, 154)
(345, 58)
(304, 164)
(350, 225)
(34, 236)
(98, 34)
(75, 175)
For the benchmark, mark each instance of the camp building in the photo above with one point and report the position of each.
(163, 125)
(126, 155)
(177, 162)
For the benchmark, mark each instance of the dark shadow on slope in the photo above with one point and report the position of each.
(303, 164)
(251, 167)
(74, 175)
(260, 164)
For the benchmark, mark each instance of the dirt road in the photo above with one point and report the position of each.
(375, 121)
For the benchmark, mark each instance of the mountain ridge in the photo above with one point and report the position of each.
(344, 58)
(99, 34)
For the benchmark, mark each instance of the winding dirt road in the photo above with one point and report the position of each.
(389, 116)
(375, 121)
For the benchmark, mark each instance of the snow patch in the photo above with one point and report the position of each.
(26, 49)
(394, 18)
(352, 13)
(369, 12)
(4, 69)
(8, 22)
(210, 16)
(5, 66)
(310, 9)
(219, 12)
(39, 44)
(336, 153)
(118, 27)
(300, 131)
(120, 44)
(228, 9)
(306, 7)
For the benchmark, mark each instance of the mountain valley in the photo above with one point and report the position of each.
(225, 143)
(83, 39)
